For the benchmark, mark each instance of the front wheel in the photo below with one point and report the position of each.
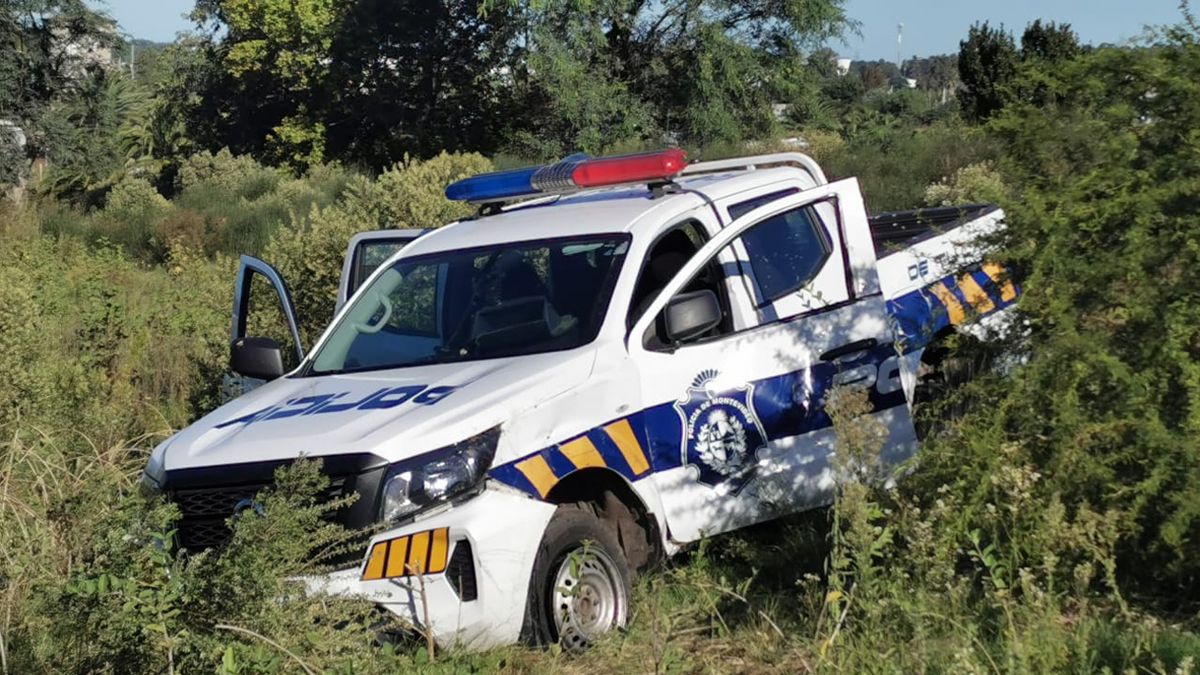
(580, 586)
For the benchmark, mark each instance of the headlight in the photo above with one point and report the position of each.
(438, 476)
(154, 474)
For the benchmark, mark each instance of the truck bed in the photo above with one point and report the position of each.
(896, 230)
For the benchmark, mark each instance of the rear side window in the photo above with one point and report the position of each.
(742, 208)
(786, 252)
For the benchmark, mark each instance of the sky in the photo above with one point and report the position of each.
(930, 26)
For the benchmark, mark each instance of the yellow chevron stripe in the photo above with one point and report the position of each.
(397, 557)
(622, 435)
(976, 297)
(953, 307)
(998, 274)
(582, 453)
(375, 562)
(418, 552)
(439, 550)
(538, 472)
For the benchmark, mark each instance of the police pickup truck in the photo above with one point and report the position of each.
(615, 357)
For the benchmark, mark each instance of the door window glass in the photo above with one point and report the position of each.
(786, 252)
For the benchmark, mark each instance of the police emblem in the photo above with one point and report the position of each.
(721, 432)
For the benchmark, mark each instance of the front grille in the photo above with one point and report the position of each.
(460, 572)
(207, 497)
(205, 513)
(214, 502)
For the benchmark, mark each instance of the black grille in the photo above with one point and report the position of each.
(204, 513)
(208, 497)
(460, 572)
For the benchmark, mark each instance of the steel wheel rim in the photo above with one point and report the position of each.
(587, 598)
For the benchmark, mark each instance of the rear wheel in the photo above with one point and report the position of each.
(947, 366)
(580, 587)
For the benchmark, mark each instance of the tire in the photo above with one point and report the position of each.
(948, 365)
(580, 586)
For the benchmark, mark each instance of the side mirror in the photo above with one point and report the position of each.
(690, 315)
(256, 357)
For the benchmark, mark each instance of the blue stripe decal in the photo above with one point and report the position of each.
(510, 475)
(786, 405)
(610, 452)
(919, 315)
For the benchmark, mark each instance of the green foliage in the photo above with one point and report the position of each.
(578, 103)
(972, 184)
(699, 72)
(407, 100)
(1049, 42)
(895, 164)
(133, 349)
(282, 47)
(1105, 233)
(987, 63)
(90, 137)
(240, 175)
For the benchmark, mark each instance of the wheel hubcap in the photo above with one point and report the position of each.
(588, 597)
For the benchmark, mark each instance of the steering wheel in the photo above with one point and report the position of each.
(386, 303)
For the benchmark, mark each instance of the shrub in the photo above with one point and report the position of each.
(130, 215)
(240, 175)
(974, 183)
(186, 229)
(411, 193)
(894, 165)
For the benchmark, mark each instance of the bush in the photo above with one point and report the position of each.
(239, 175)
(972, 184)
(895, 165)
(412, 192)
(131, 212)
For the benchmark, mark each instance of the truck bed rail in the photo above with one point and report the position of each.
(899, 229)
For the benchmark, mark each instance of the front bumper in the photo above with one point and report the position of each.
(407, 570)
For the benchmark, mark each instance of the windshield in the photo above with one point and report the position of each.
(519, 298)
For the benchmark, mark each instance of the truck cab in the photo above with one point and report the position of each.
(617, 357)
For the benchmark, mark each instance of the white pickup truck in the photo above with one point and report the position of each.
(616, 357)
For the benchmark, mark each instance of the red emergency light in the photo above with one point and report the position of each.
(574, 173)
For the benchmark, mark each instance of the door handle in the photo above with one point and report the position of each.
(849, 348)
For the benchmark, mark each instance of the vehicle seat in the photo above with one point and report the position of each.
(668, 257)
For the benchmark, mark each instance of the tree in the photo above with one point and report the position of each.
(987, 63)
(705, 70)
(936, 74)
(1107, 406)
(1049, 42)
(874, 77)
(36, 68)
(418, 77)
(273, 65)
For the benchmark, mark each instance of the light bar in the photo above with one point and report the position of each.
(574, 173)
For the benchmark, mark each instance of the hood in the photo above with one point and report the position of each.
(395, 414)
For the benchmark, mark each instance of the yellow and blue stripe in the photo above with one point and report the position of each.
(650, 440)
(951, 301)
(619, 445)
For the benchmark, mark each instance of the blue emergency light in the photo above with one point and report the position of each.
(574, 173)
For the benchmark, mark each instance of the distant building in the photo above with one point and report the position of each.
(10, 133)
(81, 53)
(910, 82)
(843, 66)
